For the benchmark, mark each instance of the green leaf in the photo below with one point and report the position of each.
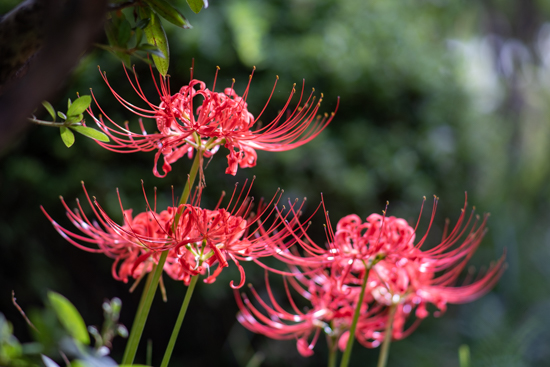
(124, 32)
(138, 35)
(79, 106)
(50, 109)
(111, 30)
(196, 5)
(79, 363)
(65, 310)
(156, 36)
(91, 133)
(69, 103)
(62, 115)
(168, 12)
(151, 49)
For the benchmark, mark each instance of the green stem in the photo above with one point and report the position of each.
(385, 351)
(179, 321)
(192, 176)
(332, 351)
(349, 346)
(52, 123)
(143, 311)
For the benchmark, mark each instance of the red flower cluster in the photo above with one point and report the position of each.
(200, 119)
(197, 239)
(401, 278)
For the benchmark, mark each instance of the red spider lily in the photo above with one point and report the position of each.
(197, 239)
(331, 311)
(401, 276)
(200, 119)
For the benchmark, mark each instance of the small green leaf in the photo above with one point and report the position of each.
(48, 362)
(151, 49)
(196, 5)
(62, 115)
(50, 109)
(91, 133)
(156, 36)
(79, 106)
(69, 103)
(66, 312)
(168, 12)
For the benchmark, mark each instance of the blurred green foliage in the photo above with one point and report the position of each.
(437, 97)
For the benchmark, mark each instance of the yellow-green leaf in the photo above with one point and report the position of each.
(50, 109)
(168, 12)
(67, 136)
(157, 37)
(68, 316)
(79, 106)
(196, 5)
(91, 133)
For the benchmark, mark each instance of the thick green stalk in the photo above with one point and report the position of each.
(179, 321)
(143, 311)
(349, 346)
(385, 351)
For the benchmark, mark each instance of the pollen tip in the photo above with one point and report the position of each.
(387, 202)
(82, 182)
(60, 197)
(249, 285)
(474, 207)
(233, 79)
(277, 77)
(217, 67)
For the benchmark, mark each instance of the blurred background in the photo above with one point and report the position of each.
(437, 97)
